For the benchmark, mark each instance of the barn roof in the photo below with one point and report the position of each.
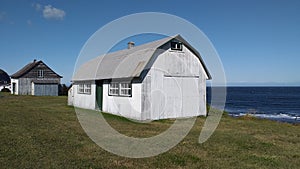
(127, 63)
(27, 68)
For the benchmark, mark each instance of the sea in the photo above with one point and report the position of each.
(275, 103)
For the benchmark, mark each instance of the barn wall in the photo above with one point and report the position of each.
(87, 101)
(146, 97)
(25, 86)
(175, 86)
(16, 81)
(129, 107)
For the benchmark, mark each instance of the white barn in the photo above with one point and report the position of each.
(158, 80)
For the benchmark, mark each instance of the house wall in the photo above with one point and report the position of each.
(174, 86)
(129, 107)
(8, 86)
(87, 101)
(16, 81)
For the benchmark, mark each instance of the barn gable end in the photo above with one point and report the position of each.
(36, 78)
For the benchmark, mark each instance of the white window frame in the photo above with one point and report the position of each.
(40, 73)
(113, 89)
(120, 89)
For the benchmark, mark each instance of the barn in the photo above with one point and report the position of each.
(36, 78)
(157, 80)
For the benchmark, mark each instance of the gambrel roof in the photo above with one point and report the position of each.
(27, 68)
(127, 63)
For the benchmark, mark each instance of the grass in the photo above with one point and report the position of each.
(43, 132)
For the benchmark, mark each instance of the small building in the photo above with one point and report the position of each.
(36, 78)
(4, 80)
(158, 80)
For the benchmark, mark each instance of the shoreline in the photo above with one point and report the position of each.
(282, 117)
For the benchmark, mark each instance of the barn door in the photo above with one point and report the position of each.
(99, 95)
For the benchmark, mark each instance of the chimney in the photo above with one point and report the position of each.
(130, 45)
(34, 60)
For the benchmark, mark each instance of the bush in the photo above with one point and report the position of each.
(5, 90)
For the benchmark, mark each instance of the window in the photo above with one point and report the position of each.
(113, 89)
(87, 88)
(84, 88)
(120, 89)
(125, 89)
(176, 46)
(81, 88)
(40, 73)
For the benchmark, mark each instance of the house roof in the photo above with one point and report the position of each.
(4, 78)
(127, 63)
(27, 68)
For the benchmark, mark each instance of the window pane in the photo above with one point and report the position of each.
(80, 88)
(113, 88)
(87, 88)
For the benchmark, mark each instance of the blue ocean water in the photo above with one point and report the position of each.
(276, 103)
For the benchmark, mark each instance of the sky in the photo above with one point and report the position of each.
(258, 41)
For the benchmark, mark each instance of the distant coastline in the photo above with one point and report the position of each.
(280, 103)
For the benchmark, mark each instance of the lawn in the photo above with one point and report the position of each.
(43, 132)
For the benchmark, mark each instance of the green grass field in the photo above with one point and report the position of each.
(43, 132)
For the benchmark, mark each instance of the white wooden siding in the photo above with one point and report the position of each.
(87, 101)
(177, 86)
(129, 107)
(71, 96)
(16, 81)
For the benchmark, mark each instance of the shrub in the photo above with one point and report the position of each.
(5, 90)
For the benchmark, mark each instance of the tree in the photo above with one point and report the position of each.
(62, 90)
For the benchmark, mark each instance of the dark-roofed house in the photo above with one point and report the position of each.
(36, 78)
(158, 80)
(4, 80)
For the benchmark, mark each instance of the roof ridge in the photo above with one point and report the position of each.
(29, 67)
(139, 46)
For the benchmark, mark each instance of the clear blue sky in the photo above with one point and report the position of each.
(258, 41)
